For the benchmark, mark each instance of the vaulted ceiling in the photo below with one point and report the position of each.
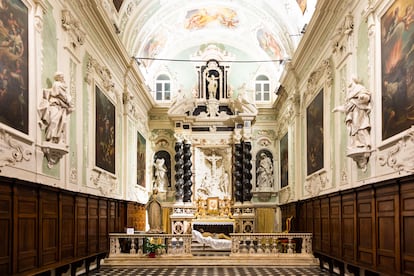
(160, 33)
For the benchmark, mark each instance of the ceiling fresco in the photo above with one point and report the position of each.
(158, 31)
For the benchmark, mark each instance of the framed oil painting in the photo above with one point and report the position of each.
(284, 161)
(397, 50)
(314, 138)
(105, 132)
(141, 146)
(14, 99)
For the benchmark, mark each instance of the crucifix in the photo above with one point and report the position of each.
(213, 158)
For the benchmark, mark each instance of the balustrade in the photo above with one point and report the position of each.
(271, 243)
(137, 244)
(242, 244)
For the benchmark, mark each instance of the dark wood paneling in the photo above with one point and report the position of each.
(366, 228)
(93, 224)
(309, 217)
(49, 227)
(302, 213)
(67, 239)
(112, 216)
(388, 234)
(407, 228)
(349, 245)
(335, 226)
(5, 229)
(81, 226)
(103, 225)
(317, 225)
(123, 216)
(42, 226)
(325, 229)
(26, 228)
(370, 227)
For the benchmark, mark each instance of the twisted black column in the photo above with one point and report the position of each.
(238, 172)
(187, 173)
(247, 168)
(179, 171)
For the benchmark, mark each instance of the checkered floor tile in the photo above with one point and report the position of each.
(209, 271)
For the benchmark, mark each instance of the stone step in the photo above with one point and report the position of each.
(190, 260)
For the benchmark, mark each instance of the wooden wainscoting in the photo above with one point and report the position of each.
(43, 228)
(367, 228)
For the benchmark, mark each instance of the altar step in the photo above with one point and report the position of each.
(227, 261)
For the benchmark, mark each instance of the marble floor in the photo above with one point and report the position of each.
(209, 271)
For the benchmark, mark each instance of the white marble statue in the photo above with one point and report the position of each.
(242, 104)
(264, 172)
(212, 86)
(161, 177)
(181, 104)
(357, 108)
(54, 109)
(213, 179)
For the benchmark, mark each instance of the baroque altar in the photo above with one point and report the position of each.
(213, 170)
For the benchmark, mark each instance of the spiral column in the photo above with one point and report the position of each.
(238, 172)
(187, 173)
(179, 171)
(247, 168)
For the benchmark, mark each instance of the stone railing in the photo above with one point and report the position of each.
(271, 243)
(139, 244)
(180, 244)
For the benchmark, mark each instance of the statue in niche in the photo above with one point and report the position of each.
(161, 177)
(154, 211)
(357, 109)
(264, 172)
(212, 86)
(54, 109)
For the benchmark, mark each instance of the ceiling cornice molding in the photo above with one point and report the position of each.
(108, 48)
(318, 34)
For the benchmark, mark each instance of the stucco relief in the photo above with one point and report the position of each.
(285, 195)
(322, 73)
(102, 72)
(400, 157)
(316, 183)
(213, 173)
(104, 182)
(40, 10)
(12, 151)
(72, 26)
(161, 139)
(341, 41)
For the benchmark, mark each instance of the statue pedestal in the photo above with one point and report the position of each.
(181, 217)
(360, 156)
(53, 152)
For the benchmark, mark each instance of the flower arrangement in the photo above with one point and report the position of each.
(154, 247)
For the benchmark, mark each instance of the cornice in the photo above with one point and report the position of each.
(318, 33)
(109, 49)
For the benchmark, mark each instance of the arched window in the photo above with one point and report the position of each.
(262, 88)
(163, 88)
